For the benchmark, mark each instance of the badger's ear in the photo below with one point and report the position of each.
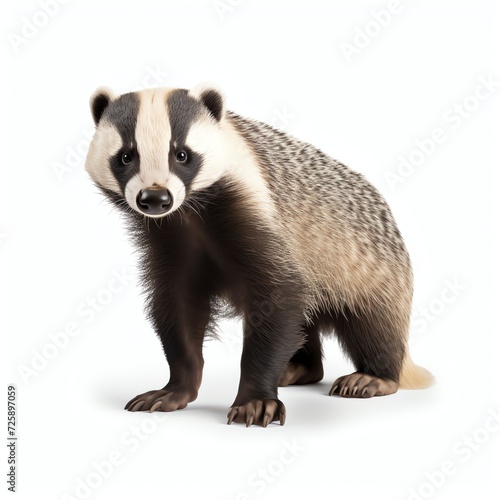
(211, 97)
(99, 101)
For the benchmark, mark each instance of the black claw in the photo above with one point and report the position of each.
(155, 406)
(282, 418)
(130, 404)
(137, 406)
(232, 415)
(266, 420)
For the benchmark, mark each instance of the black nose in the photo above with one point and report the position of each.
(154, 201)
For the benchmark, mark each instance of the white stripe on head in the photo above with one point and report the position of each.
(153, 136)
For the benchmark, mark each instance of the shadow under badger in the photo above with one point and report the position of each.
(227, 210)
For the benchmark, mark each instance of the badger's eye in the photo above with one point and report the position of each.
(127, 158)
(181, 156)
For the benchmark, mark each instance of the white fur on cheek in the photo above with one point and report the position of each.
(178, 190)
(225, 152)
(206, 139)
(132, 189)
(105, 144)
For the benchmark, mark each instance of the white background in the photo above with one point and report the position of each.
(283, 62)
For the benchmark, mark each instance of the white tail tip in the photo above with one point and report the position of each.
(414, 376)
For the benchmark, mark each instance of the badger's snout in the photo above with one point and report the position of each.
(154, 201)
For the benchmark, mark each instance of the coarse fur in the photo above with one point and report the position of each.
(261, 224)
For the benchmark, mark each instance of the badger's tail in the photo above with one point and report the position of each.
(414, 376)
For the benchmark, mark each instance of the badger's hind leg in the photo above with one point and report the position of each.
(374, 337)
(306, 365)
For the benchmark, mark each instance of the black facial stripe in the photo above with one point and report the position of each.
(122, 113)
(123, 173)
(185, 171)
(183, 111)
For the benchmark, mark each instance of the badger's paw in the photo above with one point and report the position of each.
(160, 400)
(360, 385)
(258, 412)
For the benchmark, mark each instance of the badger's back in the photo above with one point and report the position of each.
(336, 226)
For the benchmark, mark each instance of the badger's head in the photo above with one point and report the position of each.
(152, 148)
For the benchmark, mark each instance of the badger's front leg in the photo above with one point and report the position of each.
(181, 332)
(179, 307)
(272, 334)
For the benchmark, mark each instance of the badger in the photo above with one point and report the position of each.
(233, 216)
